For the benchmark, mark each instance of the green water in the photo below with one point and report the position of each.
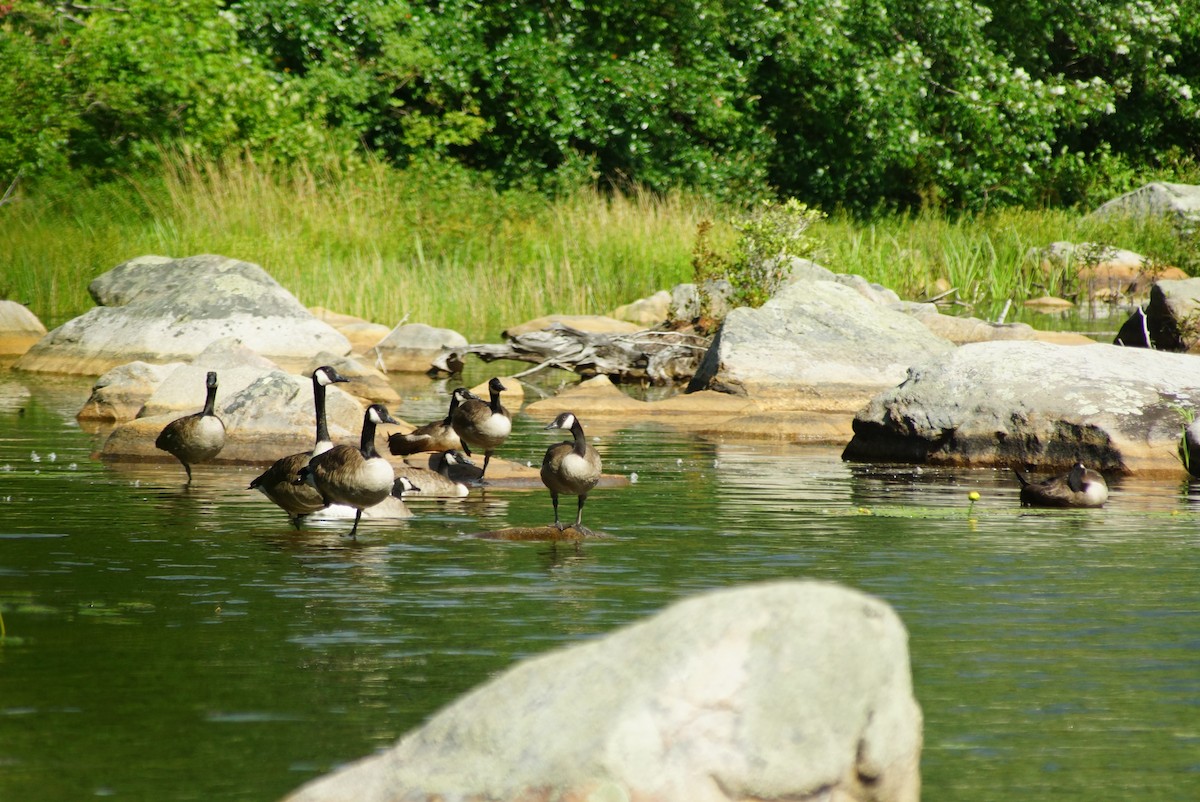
(185, 644)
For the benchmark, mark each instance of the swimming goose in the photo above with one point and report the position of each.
(1082, 487)
(571, 467)
(484, 425)
(355, 476)
(439, 482)
(198, 437)
(281, 482)
(436, 436)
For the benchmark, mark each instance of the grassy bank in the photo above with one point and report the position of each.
(432, 245)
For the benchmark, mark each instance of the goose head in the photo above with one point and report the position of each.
(327, 375)
(565, 420)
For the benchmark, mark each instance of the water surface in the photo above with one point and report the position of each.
(172, 643)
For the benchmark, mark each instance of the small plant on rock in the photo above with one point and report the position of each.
(769, 238)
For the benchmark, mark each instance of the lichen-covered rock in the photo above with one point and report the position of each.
(788, 691)
(158, 310)
(1031, 403)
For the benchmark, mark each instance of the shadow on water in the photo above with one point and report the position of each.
(175, 642)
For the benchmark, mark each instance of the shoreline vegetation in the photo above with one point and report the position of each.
(435, 243)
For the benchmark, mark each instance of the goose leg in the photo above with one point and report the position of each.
(188, 468)
(354, 529)
(487, 457)
(554, 501)
(583, 530)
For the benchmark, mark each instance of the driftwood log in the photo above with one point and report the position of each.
(654, 356)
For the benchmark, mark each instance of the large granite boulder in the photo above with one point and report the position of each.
(817, 345)
(20, 329)
(157, 309)
(1037, 404)
(789, 690)
(119, 394)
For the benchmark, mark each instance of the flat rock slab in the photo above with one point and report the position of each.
(547, 533)
(157, 309)
(1019, 403)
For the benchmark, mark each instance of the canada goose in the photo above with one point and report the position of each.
(198, 437)
(436, 436)
(483, 424)
(355, 476)
(439, 482)
(281, 482)
(571, 467)
(1082, 487)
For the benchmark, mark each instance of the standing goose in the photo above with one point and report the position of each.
(357, 477)
(571, 467)
(483, 424)
(281, 482)
(1082, 487)
(436, 436)
(198, 437)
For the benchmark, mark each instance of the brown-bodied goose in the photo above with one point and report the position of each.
(355, 476)
(281, 482)
(440, 482)
(198, 437)
(571, 467)
(483, 425)
(1081, 487)
(436, 436)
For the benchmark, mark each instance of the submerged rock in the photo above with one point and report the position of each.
(788, 690)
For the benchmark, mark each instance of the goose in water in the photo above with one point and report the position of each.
(483, 425)
(198, 437)
(1081, 487)
(439, 482)
(436, 436)
(281, 482)
(355, 476)
(571, 467)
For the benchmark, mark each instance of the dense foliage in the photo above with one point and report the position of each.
(843, 103)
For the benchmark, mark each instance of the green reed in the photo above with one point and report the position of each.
(434, 244)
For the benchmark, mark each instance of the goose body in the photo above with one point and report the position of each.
(571, 467)
(1081, 487)
(281, 482)
(483, 424)
(195, 438)
(357, 477)
(436, 436)
(436, 483)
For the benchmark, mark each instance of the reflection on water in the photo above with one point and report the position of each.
(172, 642)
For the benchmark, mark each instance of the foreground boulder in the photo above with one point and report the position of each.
(816, 345)
(156, 309)
(788, 691)
(1034, 404)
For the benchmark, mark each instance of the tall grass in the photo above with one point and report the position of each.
(434, 244)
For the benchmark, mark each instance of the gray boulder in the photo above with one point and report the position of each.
(1033, 403)
(267, 414)
(1177, 202)
(156, 309)
(20, 328)
(789, 690)
(413, 347)
(120, 393)
(817, 345)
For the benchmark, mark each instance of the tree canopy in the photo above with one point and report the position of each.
(857, 104)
